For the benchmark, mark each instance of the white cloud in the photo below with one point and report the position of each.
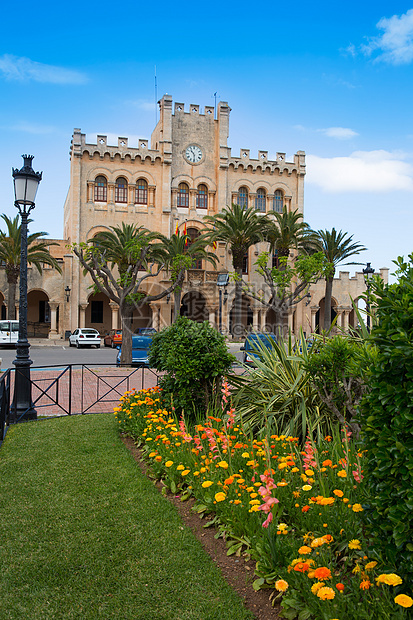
(395, 45)
(23, 69)
(341, 133)
(362, 171)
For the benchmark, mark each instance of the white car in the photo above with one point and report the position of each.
(84, 337)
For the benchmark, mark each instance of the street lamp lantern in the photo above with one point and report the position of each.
(368, 274)
(26, 182)
(222, 283)
(67, 291)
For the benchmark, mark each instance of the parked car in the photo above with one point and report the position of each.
(145, 331)
(84, 337)
(140, 350)
(9, 333)
(113, 338)
(252, 346)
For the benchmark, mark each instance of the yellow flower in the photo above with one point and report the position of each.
(294, 470)
(223, 464)
(169, 463)
(354, 544)
(245, 455)
(317, 586)
(220, 497)
(254, 502)
(281, 527)
(390, 579)
(370, 566)
(185, 472)
(357, 508)
(207, 484)
(309, 472)
(338, 492)
(326, 593)
(307, 487)
(403, 600)
(196, 473)
(180, 468)
(281, 585)
(152, 454)
(342, 473)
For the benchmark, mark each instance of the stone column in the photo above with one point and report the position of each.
(53, 305)
(82, 314)
(346, 314)
(314, 310)
(255, 319)
(111, 193)
(115, 314)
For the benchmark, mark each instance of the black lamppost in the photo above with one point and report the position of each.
(26, 182)
(222, 283)
(368, 274)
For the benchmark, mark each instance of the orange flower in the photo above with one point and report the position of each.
(403, 600)
(304, 550)
(357, 508)
(365, 584)
(305, 508)
(322, 573)
(327, 463)
(317, 586)
(281, 585)
(326, 593)
(340, 587)
(338, 492)
(301, 567)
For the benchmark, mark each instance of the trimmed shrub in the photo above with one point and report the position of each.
(194, 357)
(387, 424)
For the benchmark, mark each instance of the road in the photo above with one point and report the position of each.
(54, 355)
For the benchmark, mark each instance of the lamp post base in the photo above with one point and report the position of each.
(22, 408)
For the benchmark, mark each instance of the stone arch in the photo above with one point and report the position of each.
(319, 319)
(182, 178)
(194, 306)
(38, 313)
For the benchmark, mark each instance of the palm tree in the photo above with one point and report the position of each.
(285, 232)
(119, 260)
(37, 254)
(180, 253)
(337, 247)
(239, 229)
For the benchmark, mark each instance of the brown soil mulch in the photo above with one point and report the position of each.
(238, 572)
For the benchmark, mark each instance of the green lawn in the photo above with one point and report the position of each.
(85, 535)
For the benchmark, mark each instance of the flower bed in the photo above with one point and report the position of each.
(295, 512)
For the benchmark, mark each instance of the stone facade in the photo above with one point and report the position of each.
(184, 172)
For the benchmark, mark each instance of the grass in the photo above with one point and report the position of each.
(86, 535)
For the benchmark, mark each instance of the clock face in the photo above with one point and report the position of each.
(193, 154)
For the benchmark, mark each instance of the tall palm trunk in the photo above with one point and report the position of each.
(237, 327)
(327, 302)
(126, 314)
(12, 279)
(177, 302)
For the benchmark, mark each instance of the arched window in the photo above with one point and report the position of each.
(202, 197)
(101, 189)
(183, 195)
(121, 190)
(243, 197)
(141, 194)
(193, 233)
(278, 201)
(260, 200)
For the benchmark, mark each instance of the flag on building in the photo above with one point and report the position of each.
(177, 228)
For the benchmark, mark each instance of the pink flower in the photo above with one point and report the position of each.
(267, 520)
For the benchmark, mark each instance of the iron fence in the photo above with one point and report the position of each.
(73, 389)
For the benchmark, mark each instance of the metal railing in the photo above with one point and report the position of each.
(73, 389)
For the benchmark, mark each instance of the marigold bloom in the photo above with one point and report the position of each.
(304, 550)
(281, 585)
(338, 492)
(326, 593)
(223, 464)
(370, 566)
(207, 484)
(403, 600)
(301, 567)
(169, 463)
(327, 463)
(317, 586)
(357, 508)
(390, 579)
(180, 468)
(307, 487)
(322, 573)
(185, 472)
(305, 508)
(365, 584)
(340, 587)
(354, 544)
(342, 473)
(220, 497)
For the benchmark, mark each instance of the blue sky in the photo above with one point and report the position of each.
(332, 79)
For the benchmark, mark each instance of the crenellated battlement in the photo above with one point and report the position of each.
(101, 148)
(263, 164)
